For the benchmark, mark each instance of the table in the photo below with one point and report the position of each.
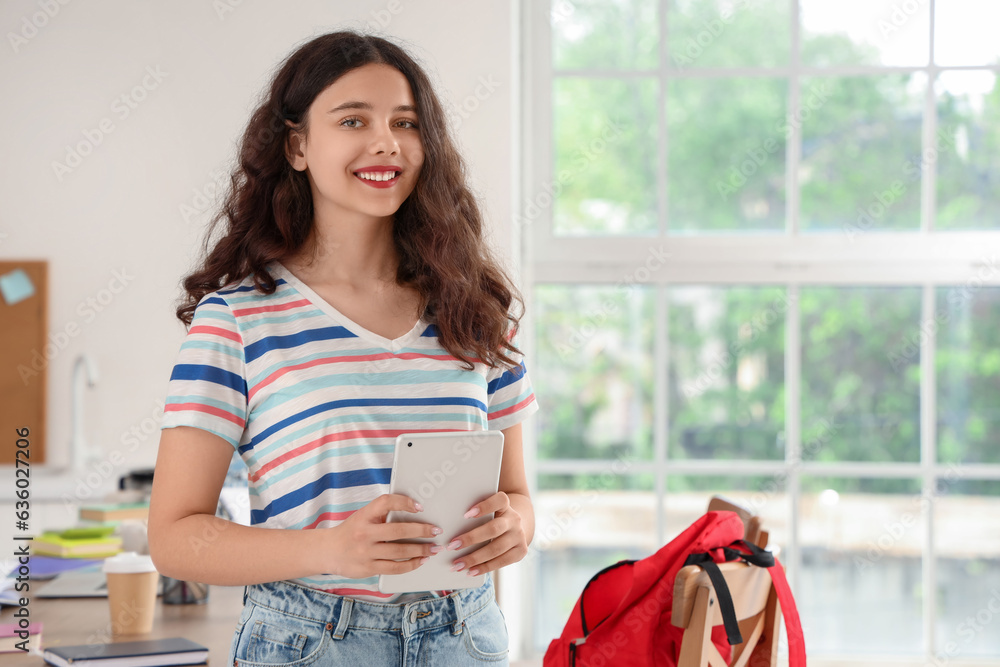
(68, 621)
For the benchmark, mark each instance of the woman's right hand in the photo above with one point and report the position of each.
(361, 546)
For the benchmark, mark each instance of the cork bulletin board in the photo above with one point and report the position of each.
(24, 359)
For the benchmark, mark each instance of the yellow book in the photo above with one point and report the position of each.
(56, 544)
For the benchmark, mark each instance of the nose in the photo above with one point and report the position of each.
(384, 141)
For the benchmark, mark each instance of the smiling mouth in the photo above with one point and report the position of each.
(378, 176)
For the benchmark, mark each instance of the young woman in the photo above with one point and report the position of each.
(350, 298)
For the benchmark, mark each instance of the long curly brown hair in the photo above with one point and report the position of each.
(437, 231)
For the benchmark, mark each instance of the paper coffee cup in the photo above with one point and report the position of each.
(132, 582)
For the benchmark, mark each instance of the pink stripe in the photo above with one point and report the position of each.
(356, 591)
(271, 309)
(309, 364)
(329, 516)
(207, 409)
(513, 408)
(332, 437)
(216, 331)
(342, 359)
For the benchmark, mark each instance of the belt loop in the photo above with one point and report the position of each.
(244, 595)
(456, 597)
(346, 606)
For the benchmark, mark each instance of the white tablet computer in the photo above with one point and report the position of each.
(447, 473)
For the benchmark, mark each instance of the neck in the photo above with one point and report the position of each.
(354, 250)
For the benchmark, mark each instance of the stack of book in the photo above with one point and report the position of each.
(11, 641)
(87, 542)
(114, 512)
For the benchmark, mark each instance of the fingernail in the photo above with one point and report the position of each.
(473, 572)
(457, 567)
(436, 531)
(474, 512)
(455, 545)
(424, 559)
(420, 508)
(437, 549)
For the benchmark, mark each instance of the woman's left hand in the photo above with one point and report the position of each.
(506, 529)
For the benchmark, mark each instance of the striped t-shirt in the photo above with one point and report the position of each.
(313, 402)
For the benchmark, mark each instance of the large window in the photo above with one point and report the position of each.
(761, 247)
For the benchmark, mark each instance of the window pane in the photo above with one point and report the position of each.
(723, 33)
(968, 372)
(688, 495)
(726, 154)
(726, 376)
(860, 168)
(861, 570)
(967, 148)
(605, 156)
(865, 32)
(965, 32)
(860, 374)
(967, 542)
(583, 524)
(594, 345)
(604, 35)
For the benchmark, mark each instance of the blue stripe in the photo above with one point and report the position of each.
(497, 407)
(260, 298)
(332, 480)
(358, 402)
(359, 383)
(506, 379)
(443, 420)
(355, 583)
(210, 374)
(265, 345)
(299, 317)
(221, 316)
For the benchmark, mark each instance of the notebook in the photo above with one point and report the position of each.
(144, 653)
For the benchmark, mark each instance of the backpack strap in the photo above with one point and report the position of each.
(705, 562)
(583, 618)
(793, 624)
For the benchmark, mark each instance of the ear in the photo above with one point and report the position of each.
(293, 149)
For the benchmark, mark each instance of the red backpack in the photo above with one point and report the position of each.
(623, 614)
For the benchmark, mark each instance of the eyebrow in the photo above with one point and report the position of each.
(369, 107)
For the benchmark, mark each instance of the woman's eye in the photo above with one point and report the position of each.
(409, 124)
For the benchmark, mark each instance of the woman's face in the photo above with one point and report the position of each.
(364, 119)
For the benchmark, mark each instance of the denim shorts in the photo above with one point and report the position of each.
(288, 624)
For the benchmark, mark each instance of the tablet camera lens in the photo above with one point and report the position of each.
(409, 444)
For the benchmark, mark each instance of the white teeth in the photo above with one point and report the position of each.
(377, 176)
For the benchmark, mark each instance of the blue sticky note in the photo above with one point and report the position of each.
(16, 286)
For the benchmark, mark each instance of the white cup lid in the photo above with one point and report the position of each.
(128, 561)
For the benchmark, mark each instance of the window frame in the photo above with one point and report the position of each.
(924, 258)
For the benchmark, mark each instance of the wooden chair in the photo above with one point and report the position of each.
(696, 606)
(754, 533)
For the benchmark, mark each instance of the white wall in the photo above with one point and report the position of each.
(119, 209)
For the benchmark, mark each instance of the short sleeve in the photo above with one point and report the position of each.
(207, 388)
(510, 396)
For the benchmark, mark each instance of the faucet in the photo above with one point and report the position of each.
(79, 452)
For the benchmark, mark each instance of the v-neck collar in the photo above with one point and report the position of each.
(394, 345)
